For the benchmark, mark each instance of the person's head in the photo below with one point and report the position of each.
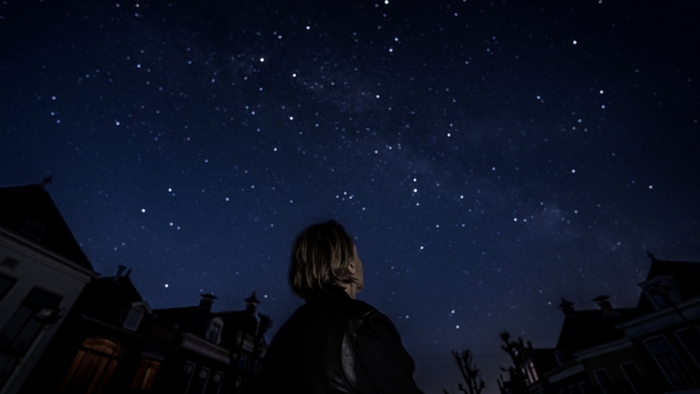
(324, 256)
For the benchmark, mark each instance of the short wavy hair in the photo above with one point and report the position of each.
(320, 259)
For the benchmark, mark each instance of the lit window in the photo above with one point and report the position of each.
(145, 374)
(534, 372)
(93, 366)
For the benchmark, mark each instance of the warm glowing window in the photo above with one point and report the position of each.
(93, 366)
(534, 372)
(145, 374)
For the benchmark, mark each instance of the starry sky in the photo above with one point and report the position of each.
(487, 157)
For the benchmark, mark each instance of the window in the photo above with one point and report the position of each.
(243, 361)
(661, 291)
(633, 377)
(145, 374)
(138, 310)
(6, 284)
(199, 383)
(218, 376)
(667, 359)
(533, 371)
(604, 382)
(93, 366)
(23, 327)
(245, 342)
(133, 319)
(690, 339)
(188, 372)
(214, 331)
(218, 379)
(582, 387)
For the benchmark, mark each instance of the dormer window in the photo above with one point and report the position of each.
(661, 290)
(213, 334)
(136, 313)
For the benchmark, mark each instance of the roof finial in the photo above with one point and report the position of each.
(46, 181)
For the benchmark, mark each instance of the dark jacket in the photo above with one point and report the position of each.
(334, 344)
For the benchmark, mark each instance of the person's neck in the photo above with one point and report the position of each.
(351, 289)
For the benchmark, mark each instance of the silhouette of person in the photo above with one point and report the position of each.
(334, 343)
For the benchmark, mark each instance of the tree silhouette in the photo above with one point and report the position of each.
(470, 372)
(515, 349)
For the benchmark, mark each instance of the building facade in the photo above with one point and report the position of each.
(651, 348)
(42, 273)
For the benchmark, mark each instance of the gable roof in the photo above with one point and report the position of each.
(587, 328)
(685, 273)
(30, 213)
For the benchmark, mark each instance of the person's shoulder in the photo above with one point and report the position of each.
(361, 305)
(370, 320)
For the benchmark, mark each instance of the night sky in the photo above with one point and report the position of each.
(487, 157)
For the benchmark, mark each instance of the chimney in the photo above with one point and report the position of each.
(251, 304)
(604, 304)
(567, 307)
(206, 301)
(120, 271)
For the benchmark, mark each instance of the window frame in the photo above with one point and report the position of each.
(683, 372)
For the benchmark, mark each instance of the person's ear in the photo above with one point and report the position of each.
(351, 268)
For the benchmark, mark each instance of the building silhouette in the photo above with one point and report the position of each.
(64, 329)
(651, 348)
(42, 272)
